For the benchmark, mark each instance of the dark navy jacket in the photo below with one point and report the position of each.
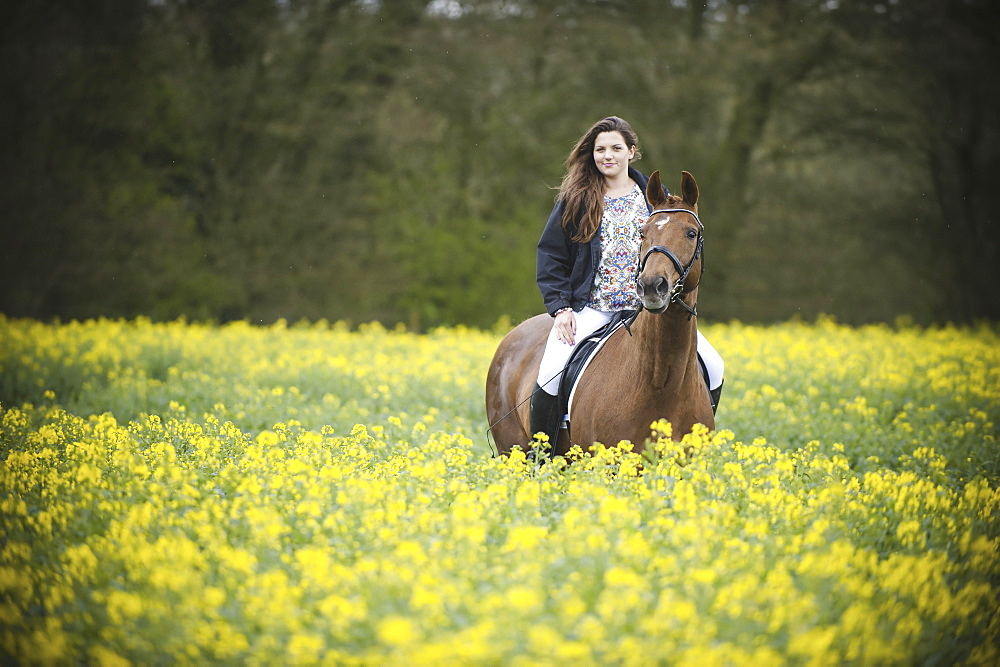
(564, 268)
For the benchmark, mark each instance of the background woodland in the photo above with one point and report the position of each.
(395, 160)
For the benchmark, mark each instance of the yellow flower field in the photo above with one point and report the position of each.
(189, 493)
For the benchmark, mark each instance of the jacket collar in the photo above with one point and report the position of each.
(642, 181)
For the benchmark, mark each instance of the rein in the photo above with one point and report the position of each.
(676, 294)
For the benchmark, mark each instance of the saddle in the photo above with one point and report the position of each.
(588, 348)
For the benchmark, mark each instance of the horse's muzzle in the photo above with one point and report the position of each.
(654, 293)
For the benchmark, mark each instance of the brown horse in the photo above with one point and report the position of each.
(635, 379)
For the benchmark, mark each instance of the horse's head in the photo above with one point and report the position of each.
(670, 258)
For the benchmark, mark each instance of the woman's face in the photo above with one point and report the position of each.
(612, 154)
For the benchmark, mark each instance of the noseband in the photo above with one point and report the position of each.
(678, 289)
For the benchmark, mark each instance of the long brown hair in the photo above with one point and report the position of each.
(583, 187)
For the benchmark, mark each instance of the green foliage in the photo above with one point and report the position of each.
(394, 161)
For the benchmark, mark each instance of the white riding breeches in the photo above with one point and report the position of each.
(557, 353)
(713, 362)
(588, 321)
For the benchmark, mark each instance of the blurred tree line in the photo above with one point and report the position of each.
(395, 159)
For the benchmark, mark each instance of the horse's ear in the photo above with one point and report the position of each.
(654, 191)
(689, 188)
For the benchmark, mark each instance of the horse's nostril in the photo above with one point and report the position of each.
(658, 285)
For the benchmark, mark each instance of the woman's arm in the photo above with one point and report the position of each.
(554, 263)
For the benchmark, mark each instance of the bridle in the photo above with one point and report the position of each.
(676, 294)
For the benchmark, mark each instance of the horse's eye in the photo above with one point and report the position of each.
(642, 234)
(692, 234)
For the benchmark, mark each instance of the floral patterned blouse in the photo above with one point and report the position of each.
(614, 281)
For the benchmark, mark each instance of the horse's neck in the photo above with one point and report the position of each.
(669, 343)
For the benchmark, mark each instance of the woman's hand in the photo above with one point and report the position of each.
(565, 326)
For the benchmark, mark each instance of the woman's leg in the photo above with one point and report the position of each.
(557, 353)
(713, 362)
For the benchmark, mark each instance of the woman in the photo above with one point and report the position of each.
(587, 257)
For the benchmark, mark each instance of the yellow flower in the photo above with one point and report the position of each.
(266, 439)
(396, 631)
(524, 598)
